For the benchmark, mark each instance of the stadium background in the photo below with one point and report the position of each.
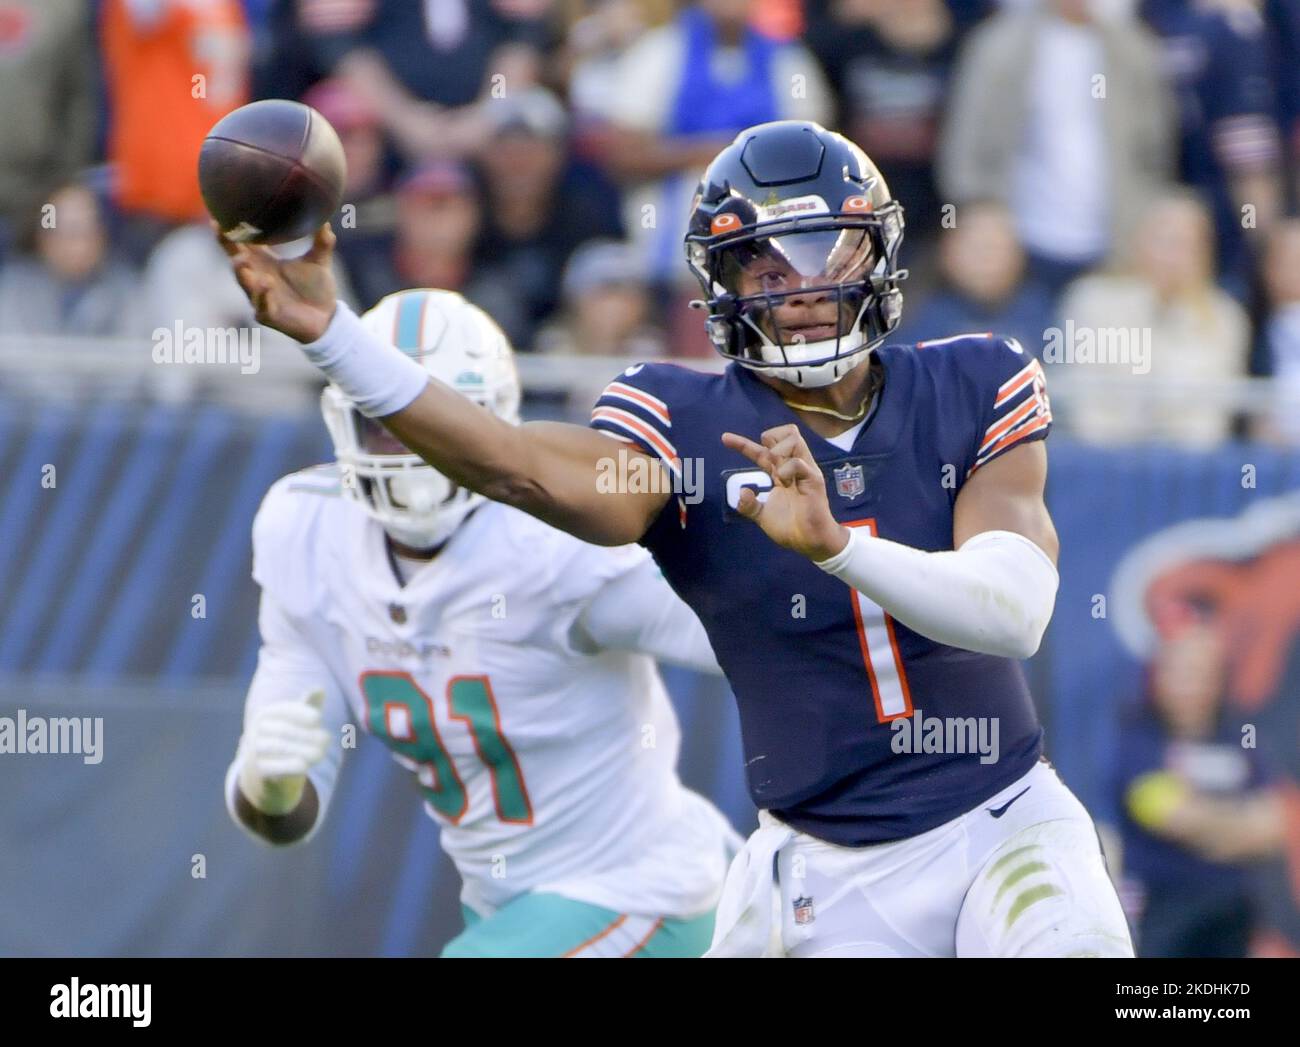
(532, 154)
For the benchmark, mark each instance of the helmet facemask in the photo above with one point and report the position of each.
(802, 299)
(415, 504)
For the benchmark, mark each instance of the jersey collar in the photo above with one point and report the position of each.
(885, 423)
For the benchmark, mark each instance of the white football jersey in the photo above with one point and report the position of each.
(548, 759)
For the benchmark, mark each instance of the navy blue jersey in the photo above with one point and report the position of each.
(819, 671)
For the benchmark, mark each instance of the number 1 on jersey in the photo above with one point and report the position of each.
(880, 651)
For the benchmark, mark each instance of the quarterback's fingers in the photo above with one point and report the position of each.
(748, 504)
(231, 248)
(792, 470)
(790, 441)
(777, 433)
(254, 282)
(756, 453)
(322, 246)
(785, 448)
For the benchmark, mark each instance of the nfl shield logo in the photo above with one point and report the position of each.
(849, 481)
(803, 910)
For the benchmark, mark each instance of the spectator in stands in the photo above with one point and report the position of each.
(426, 67)
(304, 42)
(606, 310)
(982, 269)
(1283, 18)
(1065, 118)
(1220, 67)
(439, 216)
(368, 217)
(684, 91)
(187, 278)
(173, 69)
(592, 51)
(889, 64)
(539, 205)
(47, 121)
(1198, 805)
(1160, 320)
(64, 280)
(1280, 331)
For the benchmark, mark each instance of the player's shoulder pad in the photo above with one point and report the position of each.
(638, 406)
(1004, 382)
(287, 525)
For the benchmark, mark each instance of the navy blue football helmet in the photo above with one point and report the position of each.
(791, 214)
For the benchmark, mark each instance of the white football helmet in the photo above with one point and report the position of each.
(461, 346)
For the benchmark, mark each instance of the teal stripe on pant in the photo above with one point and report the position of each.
(552, 925)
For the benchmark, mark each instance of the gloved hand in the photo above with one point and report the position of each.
(280, 744)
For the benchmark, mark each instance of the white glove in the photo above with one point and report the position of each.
(280, 744)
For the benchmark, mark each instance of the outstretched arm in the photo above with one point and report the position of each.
(547, 469)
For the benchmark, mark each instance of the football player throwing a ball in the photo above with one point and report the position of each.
(872, 556)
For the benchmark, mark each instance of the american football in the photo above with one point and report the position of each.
(271, 171)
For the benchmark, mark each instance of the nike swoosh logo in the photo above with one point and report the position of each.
(998, 812)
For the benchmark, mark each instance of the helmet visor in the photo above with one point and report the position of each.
(795, 261)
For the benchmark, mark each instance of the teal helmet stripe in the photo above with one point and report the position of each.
(410, 322)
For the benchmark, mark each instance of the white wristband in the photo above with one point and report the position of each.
(994, 595)
(379, 378)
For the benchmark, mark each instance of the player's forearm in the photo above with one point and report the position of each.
(545, 469)
(456, 436)
(994, 595)
(470, 446)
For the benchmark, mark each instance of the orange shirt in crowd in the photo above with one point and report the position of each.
(169, 80)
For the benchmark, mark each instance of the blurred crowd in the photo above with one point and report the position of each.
(1066, 165)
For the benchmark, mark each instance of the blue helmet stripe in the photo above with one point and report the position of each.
(410, 317)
